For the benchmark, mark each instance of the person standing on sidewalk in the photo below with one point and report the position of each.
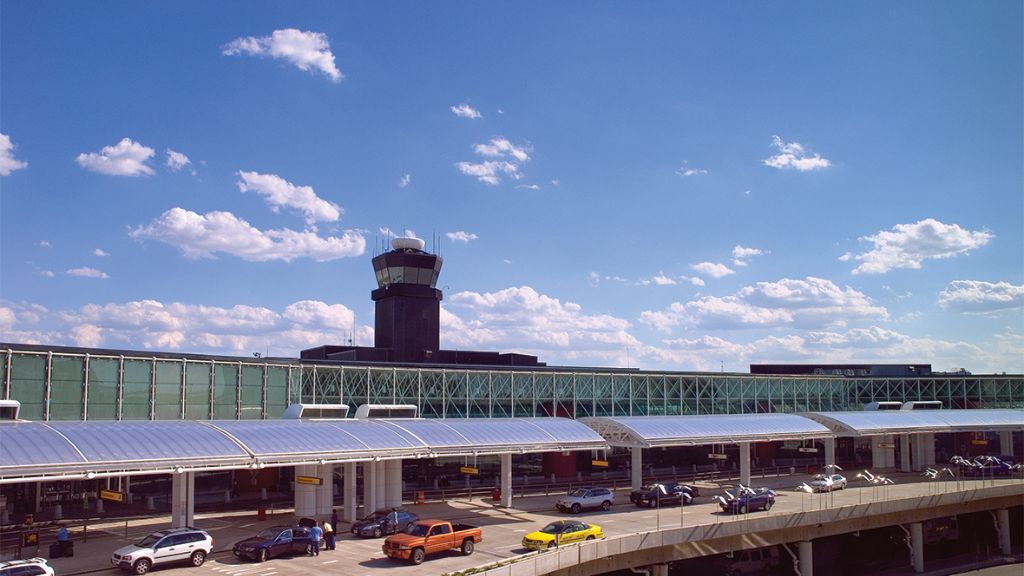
(315, 533)
(334, 518)
(328, 535)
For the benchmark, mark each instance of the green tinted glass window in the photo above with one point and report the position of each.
(138, 378)
(225, 392)
(28, 384)
(168, 391)
(102, 399)
(252, 392)
(66, 374)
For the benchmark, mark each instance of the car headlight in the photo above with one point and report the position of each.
(128, 557)
(403, 547)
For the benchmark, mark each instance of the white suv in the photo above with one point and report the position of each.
(31, 567)
(166, 546)
(581, 498)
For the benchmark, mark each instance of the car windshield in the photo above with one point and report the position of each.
(149, 541)
(418, 529)
(268, 534)
(578, 493)
(553, 528)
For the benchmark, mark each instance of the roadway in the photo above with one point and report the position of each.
(505, 528)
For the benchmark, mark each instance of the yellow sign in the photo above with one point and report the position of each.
(29, 539)
(599, 463)
(979, 442)
(469, 470)
(311, 480)
(29, 519)
(111, 495)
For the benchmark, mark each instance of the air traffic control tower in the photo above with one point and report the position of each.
(407, 317)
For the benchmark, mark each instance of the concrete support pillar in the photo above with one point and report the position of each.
(830, 453)
(39, 497)
(128, 498)
(99, 505)
(305, 494)
(393, 497)
(382, 486)
(659, 570)
(1006, 443)
(325, 491)
(506, 480)
(881, 456)
(183, 493)
(745, 463)
(929, 450)
(1003, 524)
(906, 450)
(805, 554)
(369, 487)
(351, 498)
(917, 546)
(637, 471)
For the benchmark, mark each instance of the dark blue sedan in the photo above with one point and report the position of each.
(741, 499)
(273, 542)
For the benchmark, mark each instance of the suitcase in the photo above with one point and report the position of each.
(55, 551)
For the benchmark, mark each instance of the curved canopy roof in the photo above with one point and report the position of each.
(875, 422)
(703, 429)
(39, 450)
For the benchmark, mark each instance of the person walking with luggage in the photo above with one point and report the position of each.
(329, 535)
(315, 533)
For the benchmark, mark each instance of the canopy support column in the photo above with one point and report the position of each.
(745, 463)
(805, 553)
(506, 480)
(830, 454)
(907, 449)
(369, 487)
(351, 498)
(393, 498)
(325, 491)
(1006, 442)
(637, 471)
(917, 546)
(380, 492)
(305, 494)
(183, 493)
(1003, 525)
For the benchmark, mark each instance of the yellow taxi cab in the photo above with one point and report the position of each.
(561, 532)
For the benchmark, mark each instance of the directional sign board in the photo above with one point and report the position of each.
(111, 496)
(599, 463)
(718, 456)
(806, 449)
(310, 480)
(885, 445)
(469, 470)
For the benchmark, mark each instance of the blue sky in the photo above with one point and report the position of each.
(684, 186)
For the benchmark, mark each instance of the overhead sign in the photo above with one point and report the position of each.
(111, 496)
(309, 480)
(469, 470)
(806, 449)
(979, 442)
(718, 456)
(29, 539)
(885, 445)
(599, 463)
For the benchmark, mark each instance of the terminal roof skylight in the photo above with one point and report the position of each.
(703, 429)
(875, 422)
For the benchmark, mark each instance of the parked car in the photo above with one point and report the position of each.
(583, 498)
(561, 532)
(427, 537)
(757, 561)
(28, 567)
(827, 482)
(164, 547)
(381, 523)
(273, 542)
(664, 494)
(988, 466)
(742, 499)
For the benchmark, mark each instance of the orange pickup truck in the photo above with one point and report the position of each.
(430, 537)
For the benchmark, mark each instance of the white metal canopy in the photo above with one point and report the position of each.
(879, 422)
(74, 449)
(704, 429)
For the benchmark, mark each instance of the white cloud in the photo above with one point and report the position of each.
(741, 255)
(100, 252)
(808, 303)
(488, 172)
(909, 245)
(176, 160)
(792, 155)
(405, 180)
(86, 272)
(502, 148)
(45, 244)
(595, 279)
(466, 111)
(978, 296)
(306, 50)
(461, 236)
(528, 187)
(202, 236)
(8, 163)
(47, 273)
(523, 320)
(687, 172)
(659, 279)
(279, 192)
(126, 158)
(712, 269)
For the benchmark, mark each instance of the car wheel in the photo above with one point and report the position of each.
(606, 505)
(377, 532)
(650, 504)
(417, 556)
(142, 566)
(591, 537)
(743, 508)
(552, 545)
(467, 547)
(768, 505)
(575, 508)
(198, 557)
(262, 556)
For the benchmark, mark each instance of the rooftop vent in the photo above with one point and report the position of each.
(316, 412)
(387, 411)
(9, 410)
